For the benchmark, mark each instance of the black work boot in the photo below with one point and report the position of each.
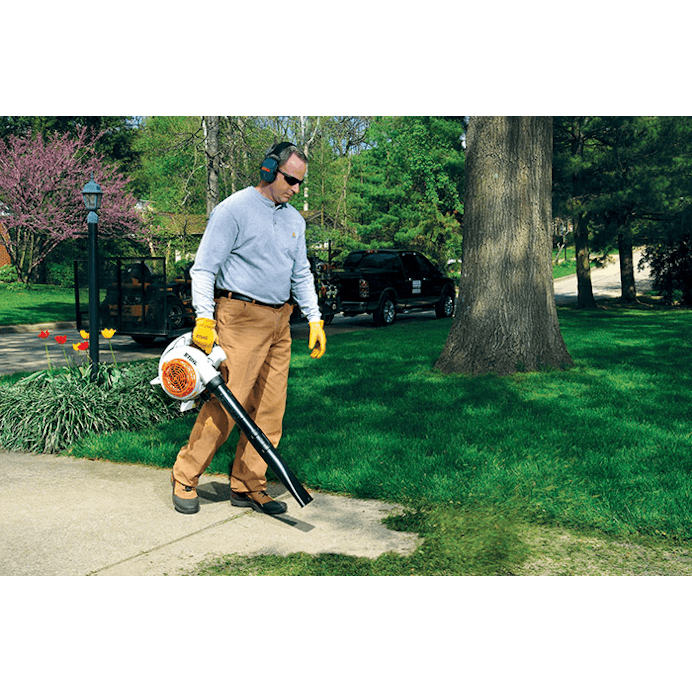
(260, 501)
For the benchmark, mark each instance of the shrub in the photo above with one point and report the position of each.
(671, 268)
(48, 411)
(180, 270)
(61, 275)
(8, 274)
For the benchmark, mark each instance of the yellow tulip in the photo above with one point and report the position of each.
(108, 333)
(84, 335)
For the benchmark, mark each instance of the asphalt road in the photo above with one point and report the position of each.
(22, 349)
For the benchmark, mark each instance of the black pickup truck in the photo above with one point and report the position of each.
(386, 282)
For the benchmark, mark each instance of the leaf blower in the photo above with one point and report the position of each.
(186, 372)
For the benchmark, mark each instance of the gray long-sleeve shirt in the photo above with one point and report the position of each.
(256, 248)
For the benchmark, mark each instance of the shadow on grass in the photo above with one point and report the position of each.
(605, 444)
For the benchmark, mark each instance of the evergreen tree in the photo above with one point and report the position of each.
(619, 179)
(406, 189)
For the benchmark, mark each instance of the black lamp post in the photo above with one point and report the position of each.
(92, 200)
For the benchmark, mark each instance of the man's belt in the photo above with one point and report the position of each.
(246, 299)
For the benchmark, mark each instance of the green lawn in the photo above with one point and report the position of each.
(604, 446)
(41, 303)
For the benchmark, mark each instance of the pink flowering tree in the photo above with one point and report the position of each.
(41, 205)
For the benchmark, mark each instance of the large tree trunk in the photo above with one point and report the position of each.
(585, 297)
(628, 287)
(506, 319)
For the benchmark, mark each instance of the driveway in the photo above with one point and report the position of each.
(605, 282)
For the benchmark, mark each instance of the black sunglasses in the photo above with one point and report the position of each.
(290, 179)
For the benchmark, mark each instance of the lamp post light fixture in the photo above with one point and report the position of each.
(92, 201)
(92, 196)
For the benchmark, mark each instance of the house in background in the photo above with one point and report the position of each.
(4, 255)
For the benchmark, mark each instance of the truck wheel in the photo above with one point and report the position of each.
(385, 313)
(445, 306)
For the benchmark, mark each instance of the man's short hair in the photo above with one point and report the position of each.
(287, 152)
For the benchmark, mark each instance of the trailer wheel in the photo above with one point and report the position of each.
(175, 313)
(143, 340)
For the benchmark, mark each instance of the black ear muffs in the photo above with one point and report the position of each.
(270, 165)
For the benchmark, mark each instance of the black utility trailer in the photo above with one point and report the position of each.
(139, 300)
(326, 289)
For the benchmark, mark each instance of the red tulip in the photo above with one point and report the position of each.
(44, 335)
(61, 339)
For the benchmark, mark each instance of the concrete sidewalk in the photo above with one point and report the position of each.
(65, 516)
(70, 517)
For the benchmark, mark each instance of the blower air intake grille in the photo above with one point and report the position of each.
(178, 378)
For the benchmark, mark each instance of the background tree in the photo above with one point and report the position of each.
(616, 178)
(172, 174)
(668, 228)
(41, 181)
(406, 186)
(571, 169)
(506, 319)
(113, 135)
(173, 180)
(332, 150)
(211, 124)
(352, 200)
(237, 135)
(628, 190)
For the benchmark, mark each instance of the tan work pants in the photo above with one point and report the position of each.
(257, 343)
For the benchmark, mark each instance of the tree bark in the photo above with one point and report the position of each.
(305, 144)
(211, 148)
(585, 299)
(628, 287)
(506, 319)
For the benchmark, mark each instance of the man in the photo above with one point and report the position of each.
(253, 255)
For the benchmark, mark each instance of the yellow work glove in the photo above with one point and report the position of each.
(317, 336)
(204, 334)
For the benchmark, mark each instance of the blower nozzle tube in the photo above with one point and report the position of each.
(258, 440)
